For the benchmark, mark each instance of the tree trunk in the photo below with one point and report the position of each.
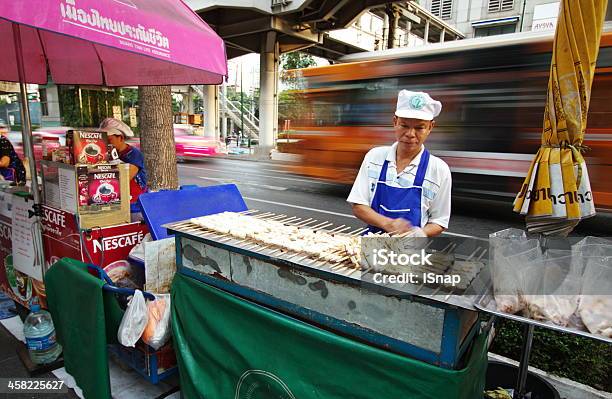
(157, 137)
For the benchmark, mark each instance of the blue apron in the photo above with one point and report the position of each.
(400, 202)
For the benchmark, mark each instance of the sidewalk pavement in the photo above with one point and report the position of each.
(125, 382)
(11, 367)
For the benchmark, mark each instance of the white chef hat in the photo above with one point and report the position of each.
(417, 105)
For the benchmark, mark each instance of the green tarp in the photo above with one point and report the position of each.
(83, 316)
(231, 348)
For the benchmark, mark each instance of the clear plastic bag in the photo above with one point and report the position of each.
(134, 320)
(157, 331)
(510, 255)
(589, 247)
(556, 298)
(595, 308)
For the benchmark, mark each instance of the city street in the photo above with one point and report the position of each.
(266, 186)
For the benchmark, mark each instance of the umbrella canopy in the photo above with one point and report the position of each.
(110, 43)
(556, 193)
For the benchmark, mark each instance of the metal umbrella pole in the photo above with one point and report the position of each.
(26, 130)
(28, 148)
(521, 381)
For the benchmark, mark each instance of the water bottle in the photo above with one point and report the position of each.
(40, 336)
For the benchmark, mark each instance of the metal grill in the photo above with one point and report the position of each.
(342, 267)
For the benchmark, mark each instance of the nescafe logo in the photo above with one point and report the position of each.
(53, 217)
(6, 233)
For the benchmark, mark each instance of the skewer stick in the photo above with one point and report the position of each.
(343, 230)
(248, 212)
(322, 226)
(447, 247)
(303, 225)
(287, 220)
(341, 260)
(472, 254)
(358, 232)
(318, 225)
(334, 230)
(484, 251)
(264, 214)
(277, 217)
(301, 258)
(294, 255)
(298, 224)
(275, 251)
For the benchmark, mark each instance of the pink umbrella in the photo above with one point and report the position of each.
(105, 42)
(109, 42)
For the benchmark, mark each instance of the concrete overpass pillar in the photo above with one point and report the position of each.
(268, 76)
(189, 99)
(210, 111)
(223, 132)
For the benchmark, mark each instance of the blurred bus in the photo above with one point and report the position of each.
(492, 92)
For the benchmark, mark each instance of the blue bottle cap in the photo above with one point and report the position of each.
(35, 307)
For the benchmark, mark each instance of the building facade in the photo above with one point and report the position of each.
(478, 18)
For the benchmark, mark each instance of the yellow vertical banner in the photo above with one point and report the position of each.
(556, 192)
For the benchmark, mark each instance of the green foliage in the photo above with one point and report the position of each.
(580, 359)
(246, 100)
(86, 107)
(296, 60)
(176, 105)
(292, 61)
(130, 97)
(290, 105)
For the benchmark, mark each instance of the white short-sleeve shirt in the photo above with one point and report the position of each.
(436, 197)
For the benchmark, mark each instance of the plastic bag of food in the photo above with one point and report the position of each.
(157, 332)
(510, 256)
(589, 247)
(556, 299)
(513, 277)
(595, 308)
(134, 320)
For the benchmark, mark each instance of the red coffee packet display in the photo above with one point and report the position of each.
(104, 185)
(83, 185)
(87, 147)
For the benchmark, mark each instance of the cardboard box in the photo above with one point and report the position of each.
(87, 146)
(98, 185)
(99, 215)
(67, 187)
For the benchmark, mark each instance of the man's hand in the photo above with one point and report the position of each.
(397, 226)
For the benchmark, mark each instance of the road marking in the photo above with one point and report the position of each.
(232, 181)
(300, 207)
(266, 176)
